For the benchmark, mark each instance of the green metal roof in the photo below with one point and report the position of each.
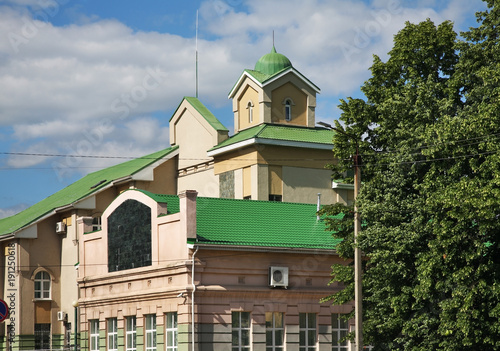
(281, 132)
(204, 111)
(172, 201)
(80, 189)
(261, 223)
(272, 63)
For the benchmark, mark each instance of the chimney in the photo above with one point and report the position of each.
(187, 204)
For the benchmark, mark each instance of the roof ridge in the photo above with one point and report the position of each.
(205, 113)
(89, 184)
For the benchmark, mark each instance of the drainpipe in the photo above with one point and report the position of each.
(192, 296)
(318, 206)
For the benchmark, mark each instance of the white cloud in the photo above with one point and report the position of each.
(93, 88)
(10, 211)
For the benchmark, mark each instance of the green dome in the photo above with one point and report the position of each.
(272, 63)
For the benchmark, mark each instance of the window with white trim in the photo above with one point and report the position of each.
(288, 110)
(340, 329)
(171, 331)
(250, 112)
(112, 334)
(240, 331)
(42, 285)
(307, 331)
(151, 332)
(94, 335)
(275, 331)
(131, 334)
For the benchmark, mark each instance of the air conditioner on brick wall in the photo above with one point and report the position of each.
(278, 277)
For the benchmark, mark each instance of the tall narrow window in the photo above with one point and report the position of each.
(275, 331)
(42, 336)
(151, 332)
(250, 112)
(339, 332)
(307, 331)
(288, 110)
(42, 285)
(241, 331)
(112, 334)
(171, 331)
(94, 335)
(131, 333)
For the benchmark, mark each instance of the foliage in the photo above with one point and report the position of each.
(428, 132)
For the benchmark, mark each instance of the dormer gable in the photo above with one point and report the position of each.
(273, 92)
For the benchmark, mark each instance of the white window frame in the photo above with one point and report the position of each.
(150, 332)
(171, 329)
(96, 223)
(44, 280)
(131, 332)
(250, 112)
(273, 344)
(288, 109)
(112, 326)
(238, 328)
(94, 334)
(340, 328)
(304, 332)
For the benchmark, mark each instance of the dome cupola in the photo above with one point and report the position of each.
(272, 63)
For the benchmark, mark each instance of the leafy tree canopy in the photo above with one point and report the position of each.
(428, 132)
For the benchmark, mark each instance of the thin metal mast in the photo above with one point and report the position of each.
(196, 74)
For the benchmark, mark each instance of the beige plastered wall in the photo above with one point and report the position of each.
(304, 184)
(290, 85)
(116, 294)
(202, 179)
(249, 95)
(299, 105)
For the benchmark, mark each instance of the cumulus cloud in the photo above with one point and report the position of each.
(97, 87)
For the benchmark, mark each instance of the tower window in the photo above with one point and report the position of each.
(250, 112)
(288, 110)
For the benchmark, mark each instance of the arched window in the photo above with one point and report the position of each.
(288, 110)
(129, 236)
(42, 285)
(250, 112)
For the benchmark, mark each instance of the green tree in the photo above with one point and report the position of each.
(428, 135)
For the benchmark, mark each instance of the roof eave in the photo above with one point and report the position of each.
(293, 70)
(264, 141)
(258, 248)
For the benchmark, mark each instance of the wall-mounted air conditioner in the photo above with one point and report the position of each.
(278, 277)
(60, 228)
(62, 316)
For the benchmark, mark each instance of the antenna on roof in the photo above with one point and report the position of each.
(273, 38)
(196, 72)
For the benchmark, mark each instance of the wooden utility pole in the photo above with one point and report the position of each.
(358, 291)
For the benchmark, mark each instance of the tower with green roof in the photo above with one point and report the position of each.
(273, 92)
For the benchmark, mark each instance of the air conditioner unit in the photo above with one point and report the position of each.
(60, 228)
(278, 277)
(62, 316)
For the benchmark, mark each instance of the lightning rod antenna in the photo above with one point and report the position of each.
(196, 74)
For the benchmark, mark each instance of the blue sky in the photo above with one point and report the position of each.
(85, 78)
